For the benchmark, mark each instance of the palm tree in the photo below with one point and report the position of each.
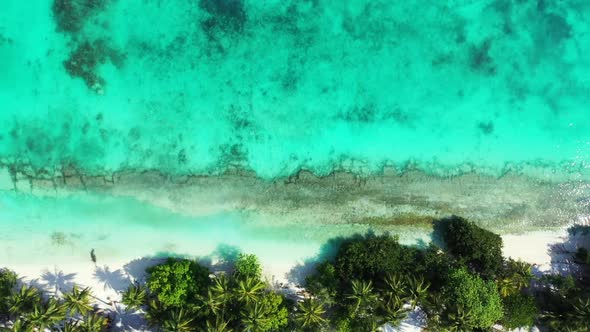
(156, 312)
(222, 289)
(222, 292)
(374, 325)
(78, 301)
(249, 290)
(519, 276)
(362, 296)
(134, 297)
(219, 325)
(417, 290)
(71, 326)
(393, 311)
(24, 300)
(460, 321)
(210, 303)
(581, 313)
(94, 323)
(178, 321)
(46, 315)
(254, 318)
(522, 268)
(508, 286)
(17, 326)
(434, 307)
(395, 284)
(309, 314)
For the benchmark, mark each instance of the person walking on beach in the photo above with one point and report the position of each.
(93, 256)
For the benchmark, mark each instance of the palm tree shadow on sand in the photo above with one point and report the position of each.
(57, 281)
(115, 280)
(563, 261)
(126, 320)
(135, 269)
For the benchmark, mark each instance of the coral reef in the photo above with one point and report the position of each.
(228, 16)
(71, 15)
(85, 59)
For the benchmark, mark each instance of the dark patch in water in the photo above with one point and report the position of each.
(85, 59)
(71, 15)
(232, 154)
(369, 113)
(541, 5)
(290, 80)
(486, 127)
(364, 114)
(555, 28)
(30, 142)
(134, 134)
(239, 118)
(226, 15)
(85, 128)
(400, 116)
(182, 158)
(5, 40)
(480, 59)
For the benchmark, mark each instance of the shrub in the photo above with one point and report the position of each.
(473, 245)
(520, 310)
(247, 266)
(434, 265)
(477, 297)
(275, 311)
(373, 257)
(324, 283)
(177, 282)
(7, 282)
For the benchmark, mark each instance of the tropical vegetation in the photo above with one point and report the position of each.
(460, 282)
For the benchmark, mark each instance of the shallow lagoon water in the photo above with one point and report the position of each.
(274, 86)
(197, 87)
(123, 229)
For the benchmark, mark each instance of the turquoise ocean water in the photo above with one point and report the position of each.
(195, 86)
(280, 85)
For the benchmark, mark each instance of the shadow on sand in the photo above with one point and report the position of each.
(58, 281)
(563, 260)
(328, 251)
(115, 280)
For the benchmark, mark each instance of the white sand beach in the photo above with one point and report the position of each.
(110, 277)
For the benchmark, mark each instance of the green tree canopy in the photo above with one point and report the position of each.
(372, 257)
(473, 245)
(247, 266)
(267, 314)
(7, 285)
(7, 282)
(477, 297)
(520, 310)
(177, 282)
